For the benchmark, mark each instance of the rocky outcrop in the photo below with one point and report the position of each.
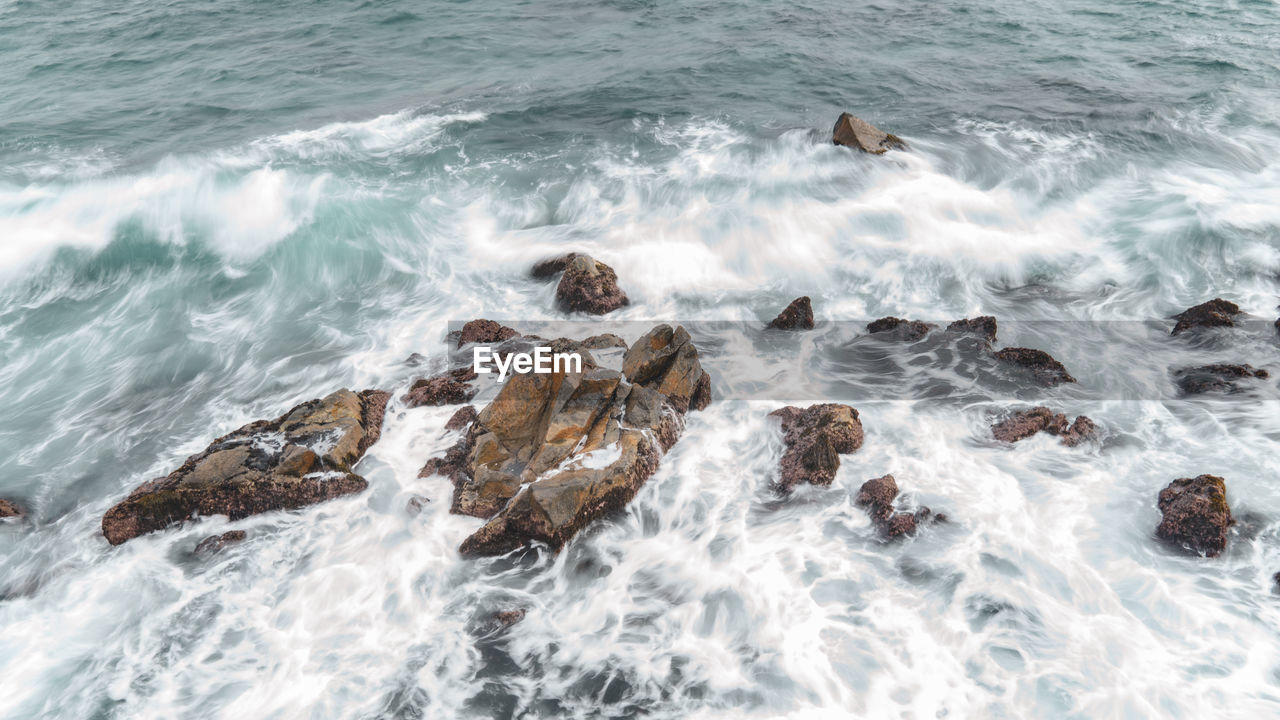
(1195, 514)
(9, 509)
(484, 331)
(877, 496)
(1043, 367)
(898, 329)
(1215, 313)
(815, 437)
(1215, 378)
(555, 451)
(1025, 423)
(983, 326)
(855, 132)
(216, 543)
(450, 388)
(796, 316)
(303, 457)
(589, 286)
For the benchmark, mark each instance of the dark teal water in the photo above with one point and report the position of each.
(210, 211)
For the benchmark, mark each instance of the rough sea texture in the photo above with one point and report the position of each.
(211, 211)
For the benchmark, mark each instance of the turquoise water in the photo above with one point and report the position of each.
(212, 211)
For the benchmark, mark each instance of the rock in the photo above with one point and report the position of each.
(1215, 313)
(507, 618)
(1025, 423)
(462, 418)
(855, 132)
(1046, 370)
(303, 457)
(416, 504)
(1195, 514)
(9, 509)
(589, 286)
(1215, 378)
(899, 328)
(983, 326)
(605, 341)
(215, 543)
(450, 388)
(877, 496)
(552, 266)
(796, 316)
(815, 437)
(554, 452)
(484, 331)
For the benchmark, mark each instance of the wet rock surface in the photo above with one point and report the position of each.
(1215, 313)
(876, 496)
(589, 286)
(215, 543)
(796, 316)
(1216, 378)
(552, 266)
(898, 329)
(1195, 514)
(303, 457)
(9, 509)
(1025, 423)
(852, 131)
(1043, 367)
(815, 437)
(983, 326)
(484, 331)
(450, 388)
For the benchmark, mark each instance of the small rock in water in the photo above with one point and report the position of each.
(855, 132)
(1046, 370)
(9, 510)
(552, 266)
(589, 286)
(796, 316)
(815, 438)
(1195, 514)
(1215, 313)
(215, 543)
(484, 331)
(416, 505)
(897, 327)
(1215, 378)
(448, 388)
(877, 496)
(983, 326)
(1025, 423)
(507, 618)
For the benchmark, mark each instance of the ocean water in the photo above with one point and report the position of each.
(210, 211)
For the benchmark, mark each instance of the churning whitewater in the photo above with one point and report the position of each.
(213, 213)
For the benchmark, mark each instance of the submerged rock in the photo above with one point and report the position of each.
(855, 132)
(555, 451)
(897, 327)
(303, 457)
(1215, 313)
(589, 286)
(1045, 369)
(796, 316)
(1215, 378)
(552, 266)
(9, 509)
(450, 388)
(1195, 514)
(815, 437)
(877, 496)
(983, 326)
(484, 331)
(215, 543)
(1025, 423)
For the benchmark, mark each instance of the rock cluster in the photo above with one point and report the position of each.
(855, 132)
(796, 316)
(303, 457)
(877, 496)
(1195, 514)
(815, 437)
(1025, 423)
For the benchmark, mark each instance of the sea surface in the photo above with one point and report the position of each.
(213, 210)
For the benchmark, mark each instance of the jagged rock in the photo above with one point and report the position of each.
(899, 328)
(215, 543)
(303, 457)
(1195, 514)
(484, 331)
(554, 451)
(983, 326)
(552, 266)
(448, 388)
(856, 132)
(462, 418)
(9, 509)
(815, 438)
(1215, 313)
(1025, 423)
(796, 316)
(589, 286)
(1046, 370)
(877, 496)
(1215, 378)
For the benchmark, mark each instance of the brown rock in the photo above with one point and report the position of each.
(983, 326)
(666, 360)
(1215, 313)
(1044, 368)
(1195, 514)
(215, 543)
(815, 437)
(877, 496)
(9, 509)
(507, 618)
(484, 331)
(1025, 423)
(552, 266)
(450, 388)
(796, 316)
(462, 418)
(1215, 378)
(899, 328)
(855, 132)
(589, 286)
(300, 458)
